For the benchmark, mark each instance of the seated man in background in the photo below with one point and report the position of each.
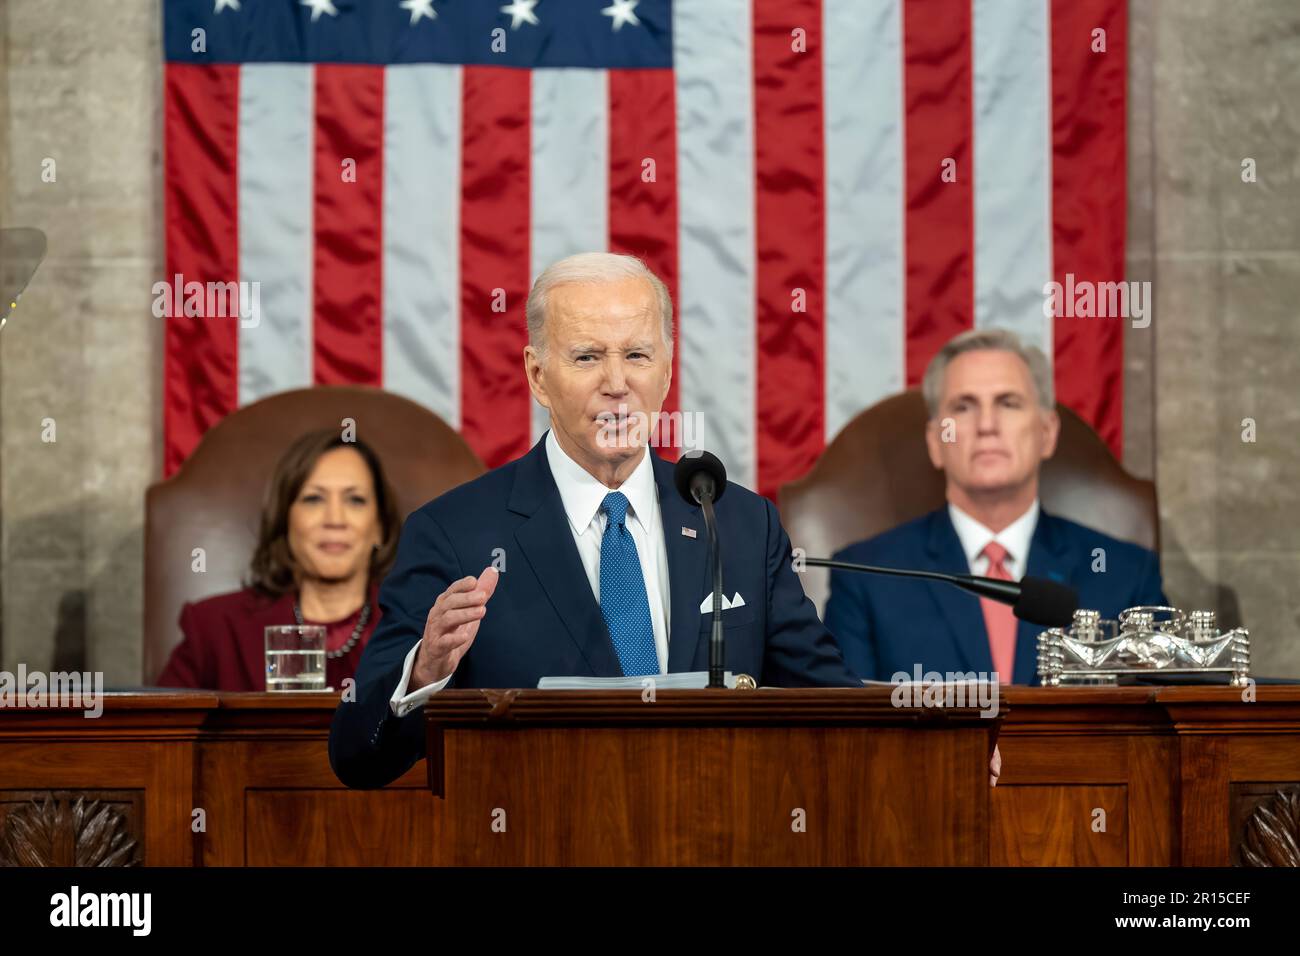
(328, 535)
(992, 422)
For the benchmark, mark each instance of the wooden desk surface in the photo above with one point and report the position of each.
(1091, 776)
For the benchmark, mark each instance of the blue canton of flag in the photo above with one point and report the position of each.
(604, 34)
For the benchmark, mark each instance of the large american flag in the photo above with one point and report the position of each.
(780, 163)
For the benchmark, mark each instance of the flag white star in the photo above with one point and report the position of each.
(318, 7)
(521, 11)
(419, 8)
(223, 4)
(622, 11)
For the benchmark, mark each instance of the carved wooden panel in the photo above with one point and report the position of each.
(1266, 824)
(71, 827)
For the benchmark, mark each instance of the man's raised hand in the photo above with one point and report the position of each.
(451, 626)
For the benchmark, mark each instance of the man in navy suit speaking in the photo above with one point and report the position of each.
(605, 566)
(992, 423)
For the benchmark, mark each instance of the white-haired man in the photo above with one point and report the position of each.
(606, 568)
(992, 423)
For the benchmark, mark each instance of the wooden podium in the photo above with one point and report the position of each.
(1184, 775)
(750, 777)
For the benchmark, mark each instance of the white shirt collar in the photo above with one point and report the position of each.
(582, 494)
(1015, 537)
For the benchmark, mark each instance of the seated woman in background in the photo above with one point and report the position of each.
(328, 536)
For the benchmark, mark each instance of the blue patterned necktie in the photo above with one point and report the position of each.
(623, 600)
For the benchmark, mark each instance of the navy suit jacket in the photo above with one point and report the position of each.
(543, 619)
(886, 625)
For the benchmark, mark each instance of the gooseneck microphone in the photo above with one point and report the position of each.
(1036, 600)
(701, 479)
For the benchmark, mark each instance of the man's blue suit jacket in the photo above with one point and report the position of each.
(887, 625)
(543, 619)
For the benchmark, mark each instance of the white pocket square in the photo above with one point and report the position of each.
(706, 606)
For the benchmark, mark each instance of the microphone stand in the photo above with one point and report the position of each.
(1036, 600)
(717, 649)
(1007, 592)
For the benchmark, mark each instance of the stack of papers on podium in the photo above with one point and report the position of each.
(687, 680)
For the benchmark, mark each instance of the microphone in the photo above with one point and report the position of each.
(700, 479)
(700, 473)
(1036, 600)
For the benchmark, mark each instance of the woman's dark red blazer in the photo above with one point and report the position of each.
(224, 646)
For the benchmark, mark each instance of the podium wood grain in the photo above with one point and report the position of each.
(764, 777)
(1180, 775)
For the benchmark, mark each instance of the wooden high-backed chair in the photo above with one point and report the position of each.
(876, 475)
(215, 501)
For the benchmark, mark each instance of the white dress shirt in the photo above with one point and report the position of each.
(1015, 537)
(581, 494)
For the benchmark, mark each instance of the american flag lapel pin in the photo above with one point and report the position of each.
(688, 532)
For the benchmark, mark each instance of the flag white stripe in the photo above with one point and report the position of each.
(865, 323)
(1013, 190)
(422, 132)
(275, 157)
(713, 59)
(569, 192)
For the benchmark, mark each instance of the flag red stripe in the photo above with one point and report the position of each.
(1088, 157)
(495, 401)
(939, 227)
(347, 280)
(790, 219)
(643, 215)
(1088, 202)
(200, 136)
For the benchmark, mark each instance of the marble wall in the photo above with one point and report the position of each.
(1139, 344)
(1225, 88)
(1210, 84)
(83, 83)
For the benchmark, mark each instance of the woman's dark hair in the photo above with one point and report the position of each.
(273, 569)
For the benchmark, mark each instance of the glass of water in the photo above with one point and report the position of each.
(295, 657)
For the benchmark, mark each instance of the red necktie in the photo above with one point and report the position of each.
(999, 619)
